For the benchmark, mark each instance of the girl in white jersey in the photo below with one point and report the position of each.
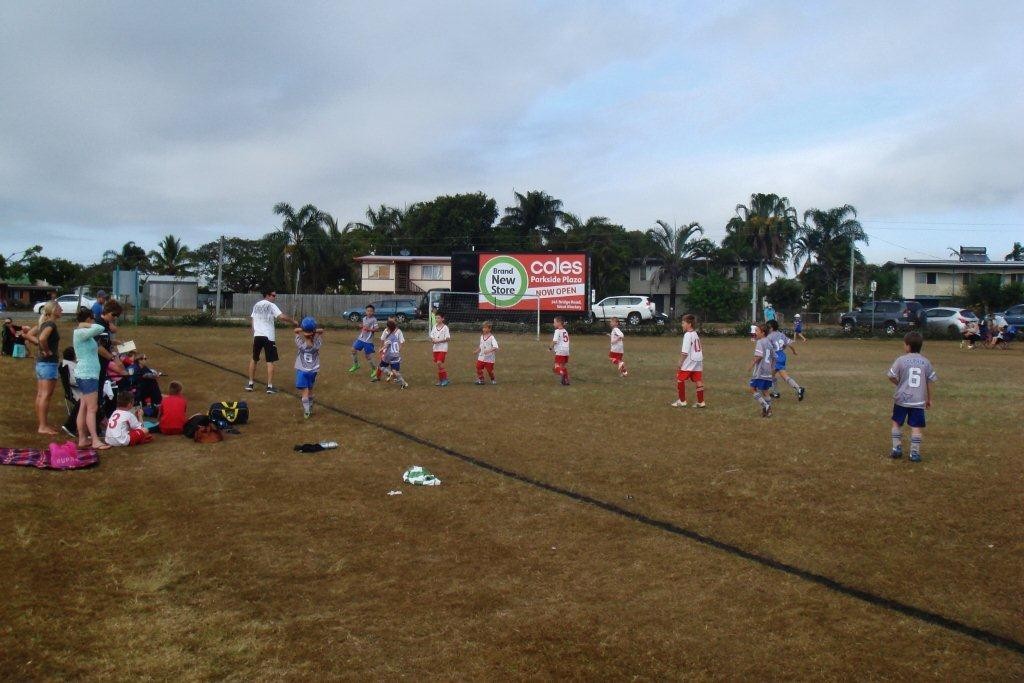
(616, 350)
(440, 336)
(691, 364)
(560, 347)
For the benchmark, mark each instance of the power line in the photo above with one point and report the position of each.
(953, 224)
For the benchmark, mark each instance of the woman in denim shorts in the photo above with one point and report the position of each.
(46, 336)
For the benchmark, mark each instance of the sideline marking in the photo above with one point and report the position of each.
(928, 617)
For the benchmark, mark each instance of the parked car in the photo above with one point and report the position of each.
(68, 304)
(631, 309)
(1014, 315)
(400, 309)
(889, 316)
(952, 320)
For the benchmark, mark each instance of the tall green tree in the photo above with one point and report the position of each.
(535, 218)
(761, 234)
(675, 248)
(171, 257)
(383, 228)
(829, 235)
(304, 246)
(610, 251)
(450, 223)
(1016, 254)
(130, 257)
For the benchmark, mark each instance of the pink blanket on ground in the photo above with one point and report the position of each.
(65, 456)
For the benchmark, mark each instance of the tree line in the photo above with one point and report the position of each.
(313, 252)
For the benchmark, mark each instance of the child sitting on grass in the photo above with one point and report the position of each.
(124, 427)
(173, 410)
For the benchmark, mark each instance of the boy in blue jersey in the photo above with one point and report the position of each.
(391, 354)
(779, 342)
(913, 375)
(364, 342)
(308, 340)
(761, 370)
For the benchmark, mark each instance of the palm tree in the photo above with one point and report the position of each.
(130, 257)
(172, 258)
(1016, 254)
(384, 226)
(763, 233)
(832, 234)
(535, 217)
(304, 236)
(675, 249)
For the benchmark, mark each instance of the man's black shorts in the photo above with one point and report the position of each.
(264, 344)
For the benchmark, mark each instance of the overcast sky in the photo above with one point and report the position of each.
(131, 120)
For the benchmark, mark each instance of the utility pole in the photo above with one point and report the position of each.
(753, 294)
(220, 273)
(851, 275)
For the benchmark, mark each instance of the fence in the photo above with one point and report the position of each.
(320, 306)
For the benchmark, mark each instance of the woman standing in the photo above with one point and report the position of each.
(47, 337)
(87, 372)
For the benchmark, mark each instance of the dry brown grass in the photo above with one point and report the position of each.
(245, 560)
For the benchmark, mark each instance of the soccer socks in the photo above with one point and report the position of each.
(307, 406)
(915, 447)
(897, 439)
(681, 391)
(792, 382)
(761, 400)
(700, 393)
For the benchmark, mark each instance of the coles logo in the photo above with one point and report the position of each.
(556, 267)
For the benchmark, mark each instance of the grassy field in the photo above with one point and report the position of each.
(246, 560)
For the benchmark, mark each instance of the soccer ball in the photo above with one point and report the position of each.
(308, 324)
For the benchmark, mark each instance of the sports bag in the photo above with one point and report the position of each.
(193, 424)
(208, 434)
(235, 412)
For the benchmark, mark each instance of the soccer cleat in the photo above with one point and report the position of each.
(444, 383)
(374, 378)
(565, 382)
(766, 410)
(914, 457)
(306, 414)
(494, 381)
(479, 381)
(896, 453)
(775, 394)
(800, 393)
(437, 383)
(625, 372)
(678, 404)
(373, 371)
(355, 366)
(250, 387)
(271, 389)
(702, 404)
(403, 385)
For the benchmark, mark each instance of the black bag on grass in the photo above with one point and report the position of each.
(193, 424)
(235, 412)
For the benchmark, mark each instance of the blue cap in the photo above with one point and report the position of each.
(308, 324)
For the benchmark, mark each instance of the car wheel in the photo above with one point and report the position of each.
(659, 321)
(953, 330)
(634, 318)
(355, 317)
(400, 318)
(890, 328)
(848, 326)
(590, 318)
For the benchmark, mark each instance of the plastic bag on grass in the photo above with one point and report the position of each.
(419, 476)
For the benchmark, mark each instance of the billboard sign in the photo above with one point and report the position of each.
(516, 281)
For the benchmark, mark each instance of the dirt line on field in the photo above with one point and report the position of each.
(835, 585)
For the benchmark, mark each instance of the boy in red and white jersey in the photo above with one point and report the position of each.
(691, 364)
(124, 427)
(616, 350)
(560, 347)
(440, 336)
(486, 352)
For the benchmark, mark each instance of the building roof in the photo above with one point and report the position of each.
(387, 258)
(947, 263)
(178, 279)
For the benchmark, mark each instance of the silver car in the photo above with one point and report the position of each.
(952, 320)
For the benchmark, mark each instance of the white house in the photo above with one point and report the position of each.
(935, 281)
(644, 280)
(404, 274)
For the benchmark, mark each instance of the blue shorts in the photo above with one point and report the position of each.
(364, 346)
(89, 386)
(761, 384)
(912, 416)
(780, 360)
(304, 379)
(798, 327)
(46, 371)
(395, 365)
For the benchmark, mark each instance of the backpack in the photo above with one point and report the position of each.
(208, 434)
(235, 412)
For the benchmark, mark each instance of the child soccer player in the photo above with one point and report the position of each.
(124, 427)
(761, 370)
(440, 336)
(691, 364)
(779, 342)
(798, 328)
(173, 410)
(560, 347)
(616, 350)
(391, 354)
(364, 342)
(308, 340)
(913, 375)
(486, 352)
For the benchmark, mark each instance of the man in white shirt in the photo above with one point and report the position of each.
(264, 337)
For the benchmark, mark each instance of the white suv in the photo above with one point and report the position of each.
(632, 309)
(68, 304)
